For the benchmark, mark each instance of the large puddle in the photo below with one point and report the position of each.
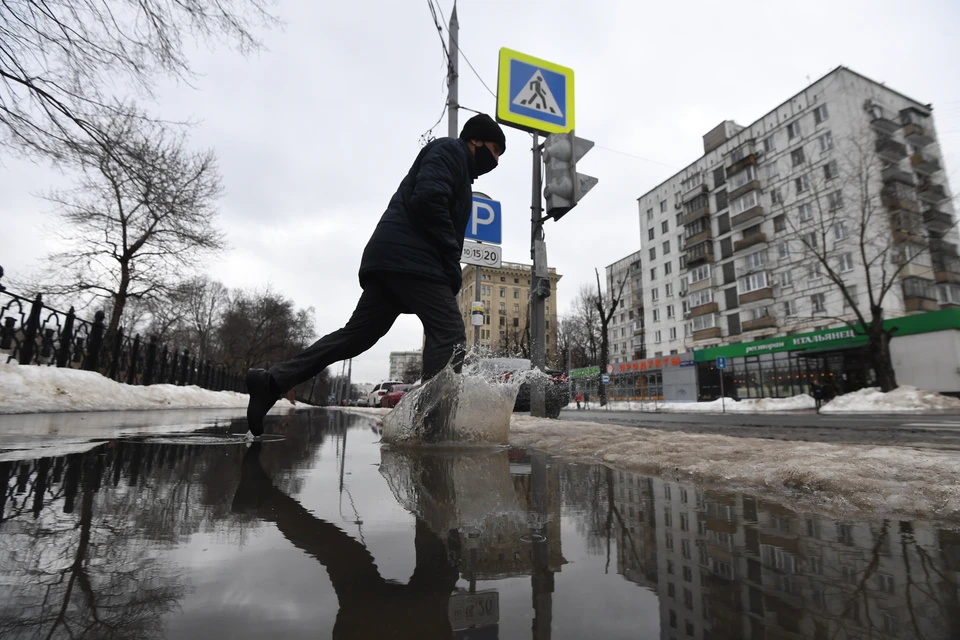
(320, 532)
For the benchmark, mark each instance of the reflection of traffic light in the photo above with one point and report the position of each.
(563, 186)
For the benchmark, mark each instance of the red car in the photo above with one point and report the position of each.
(393, 395)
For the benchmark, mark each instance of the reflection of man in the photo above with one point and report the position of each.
(411, 265)
(370, 607)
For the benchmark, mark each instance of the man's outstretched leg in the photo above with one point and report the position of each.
(373, 317)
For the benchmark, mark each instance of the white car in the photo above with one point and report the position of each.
(373, 398)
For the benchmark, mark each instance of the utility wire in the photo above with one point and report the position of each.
(441, 26)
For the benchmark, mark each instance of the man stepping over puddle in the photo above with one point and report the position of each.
(410, 265)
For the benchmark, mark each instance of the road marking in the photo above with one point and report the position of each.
(932, 424)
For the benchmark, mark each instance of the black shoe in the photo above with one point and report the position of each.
(263, 395)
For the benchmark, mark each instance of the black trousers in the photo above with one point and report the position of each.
(384, 298)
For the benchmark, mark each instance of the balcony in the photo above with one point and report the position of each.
(766, 322)
(692, 192)
(885, 126)
(891, 149)
(932, 193)
(925, 164)
(706, 334)
(919, 295)
(898, 196)
(753, 185)
(756, 296)
(697, 238)
(704, 309)
(748, 215)
(741, 157)
(896, 174)
(699, 254)
(749, 241)
(696, 209)
(937, 221)
(946, 269)
(917, 135)
(907, 227)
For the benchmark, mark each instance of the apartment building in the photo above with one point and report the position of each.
(505, 294)
(400, 360)
(626, 327)
(731, 241)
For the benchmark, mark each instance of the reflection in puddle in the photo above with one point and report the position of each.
(176, 538)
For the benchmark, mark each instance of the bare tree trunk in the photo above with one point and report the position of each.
(604, 355)
(879, 340)
(120, 299)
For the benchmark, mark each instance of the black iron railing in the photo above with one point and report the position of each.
(32, 333)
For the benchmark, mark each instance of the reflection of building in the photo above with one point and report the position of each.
(637, 533)
(400, 360)
(732, 566)
(626, 325)
(505, 295)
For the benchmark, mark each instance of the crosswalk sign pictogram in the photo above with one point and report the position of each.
(533, 94)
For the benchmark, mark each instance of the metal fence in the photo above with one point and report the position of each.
(32, 333)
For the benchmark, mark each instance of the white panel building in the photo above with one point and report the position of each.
(626, 327)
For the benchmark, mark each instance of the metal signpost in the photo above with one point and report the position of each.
(721, 365)
(481, 249)
(537, 96)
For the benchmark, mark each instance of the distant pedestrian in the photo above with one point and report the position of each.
(817, 391)
(579, 399)
(411, 265)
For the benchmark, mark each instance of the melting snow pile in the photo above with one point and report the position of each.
(904, 398)
(754, 405)
(469, 408)
(35, 389)
(838, 479)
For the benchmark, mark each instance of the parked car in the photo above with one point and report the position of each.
(558, 390)
(373, 398)
(363, 402)
(393, 395)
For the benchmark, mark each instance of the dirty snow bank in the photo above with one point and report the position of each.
(901, 399)
(756, 405)
(370, 412)
(837, 479)
(36, 389)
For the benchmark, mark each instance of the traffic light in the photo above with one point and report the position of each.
(543, 288)
(563, 186)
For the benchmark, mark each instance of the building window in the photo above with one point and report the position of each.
(773, 170)
(653, 253)
(776, 196)
(810, 240)
(667, 517)
(790, 308)
(846, 263)
(780, 223)
(806, 212)
(516, 322)
(516, 294)
(701, 298)
(700, 273)
(656, 317)
(673, 333)
(820, 114)
(670, 310)
(797, 157)
(651, 232)
(667, 268)
(830, 170)
(769, 145)
(826, 142)
(503, 292)
(653, 273)
(852, 292)
(665, 226)
(755, 260)
(650, 215)
(657, 335)
(742, 178)
(793, 130)
(668, 290)
(786, 278)
(503, 307)
(752, 282)
(663, 206)
(654, 294)
(813, 270)
(666, 247)
(818, 302)
(802, 183)
(744, 203)
(835, 200)
(700, 323)
(679, 219)
(783, 250)
(516, 308)
(683, 284)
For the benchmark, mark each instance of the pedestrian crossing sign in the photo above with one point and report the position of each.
(533, 94)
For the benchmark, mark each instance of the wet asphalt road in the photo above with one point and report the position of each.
(939, 431)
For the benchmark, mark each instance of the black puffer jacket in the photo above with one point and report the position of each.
(421, 232)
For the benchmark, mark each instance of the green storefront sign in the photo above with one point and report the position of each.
(837, 338)
(585, 372)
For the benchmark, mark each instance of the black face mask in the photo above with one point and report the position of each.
(486, 162)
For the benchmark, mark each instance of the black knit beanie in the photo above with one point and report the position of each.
(483, 128)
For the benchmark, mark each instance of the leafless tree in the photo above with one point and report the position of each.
(412, 372)
(260, 328)
(61, 62)
(860, 234)
(138, 217)
(606, 310)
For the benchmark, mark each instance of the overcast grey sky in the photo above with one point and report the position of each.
(315, 132)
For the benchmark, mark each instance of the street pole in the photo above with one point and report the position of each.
(349, 379)
(453, 75)
(723, 400)
(538, 328)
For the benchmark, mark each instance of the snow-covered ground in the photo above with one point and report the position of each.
(901, 399)
(35, 389)
(759, 405)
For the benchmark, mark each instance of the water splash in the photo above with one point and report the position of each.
(470, 408)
